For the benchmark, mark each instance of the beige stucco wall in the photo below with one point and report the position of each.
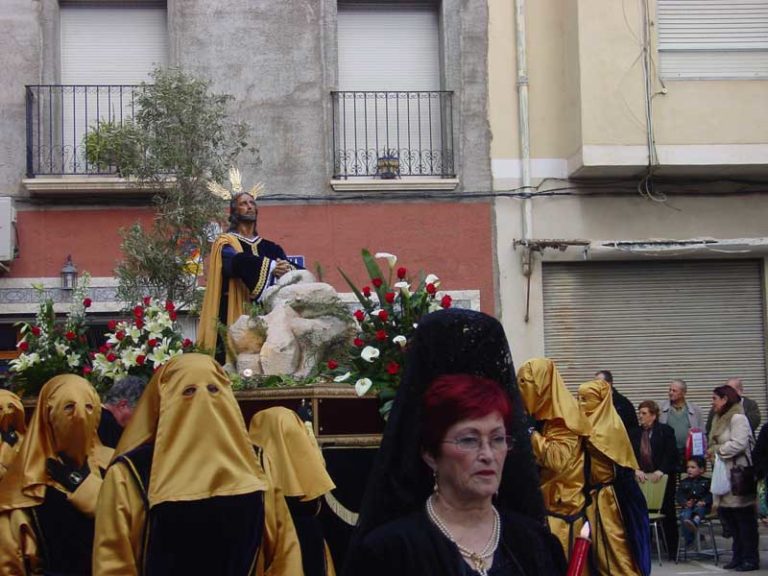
(586, 85)
(610, 218)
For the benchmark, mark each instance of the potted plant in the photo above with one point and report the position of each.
(388, 165)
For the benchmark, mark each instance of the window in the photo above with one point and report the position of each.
(390, 110)
(713, 39)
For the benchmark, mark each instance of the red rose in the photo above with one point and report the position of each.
(23, 345)
(431, 289)
(36, 330)
(169, 306)
(87, 370)
(446, 301)
(332, 364)
(120, 335)
(92, 355)
(147, 300)
(367, 291)
(393, 368)
(83, 339)
(401, 272)
(187, 343)
(111, 325)
(383, 315)
(377, 282)
(111, 357)
(138, 312)
(359, 342)
(140, 359)
(381, 335)
(103, 348)
(87, 303)
(70, 336)
(359, 315)
(389, 297)
(172, 315)
(139, 323)
(152, 342)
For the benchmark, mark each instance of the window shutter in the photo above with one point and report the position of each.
(713, 38)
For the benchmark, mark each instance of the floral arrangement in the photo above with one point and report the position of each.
(49, 347)
(139, 346)
(390, 309)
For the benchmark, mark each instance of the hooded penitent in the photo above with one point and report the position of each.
(12, 428)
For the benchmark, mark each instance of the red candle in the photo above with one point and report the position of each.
(580, 552)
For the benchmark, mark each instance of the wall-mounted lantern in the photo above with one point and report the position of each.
(68, 275)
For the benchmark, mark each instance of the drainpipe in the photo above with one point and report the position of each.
(525, 141)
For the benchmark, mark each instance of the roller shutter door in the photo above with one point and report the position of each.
(650, 322)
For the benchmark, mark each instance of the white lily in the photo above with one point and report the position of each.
(432, 279)
(362, 386)
(343, 377)
(369, 353)
(404, 287)
(400, 340)
(61, 348)
(391, 258)
(73, 360)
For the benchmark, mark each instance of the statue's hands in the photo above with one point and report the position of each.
(282, 267)
(67, 473)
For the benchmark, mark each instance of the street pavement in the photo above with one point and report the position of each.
(698, 566)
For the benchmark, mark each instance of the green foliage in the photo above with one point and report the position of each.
(188, 138)
(113, 145)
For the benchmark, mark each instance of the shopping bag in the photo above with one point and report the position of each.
(743, 481)
(721, 483)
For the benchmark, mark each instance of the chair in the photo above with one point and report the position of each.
(705, 527)
(654, 497)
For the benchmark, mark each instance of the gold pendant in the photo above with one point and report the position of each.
(478, 562)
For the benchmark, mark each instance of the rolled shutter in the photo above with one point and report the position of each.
(651, 322)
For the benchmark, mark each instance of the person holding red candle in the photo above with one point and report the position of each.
(558, 446)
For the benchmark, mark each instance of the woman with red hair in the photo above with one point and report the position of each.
(454, 490)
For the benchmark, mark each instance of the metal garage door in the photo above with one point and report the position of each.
(650, 322)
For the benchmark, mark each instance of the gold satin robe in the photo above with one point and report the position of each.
(609, 539)
(560, 454)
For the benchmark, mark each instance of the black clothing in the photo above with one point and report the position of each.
(64, 534)
(664, 456)
(413, 546)
(310, 534)
(451, 341)
(182, 535)
(109, 430)
(696, 489)
(625, 409)
(742, 523)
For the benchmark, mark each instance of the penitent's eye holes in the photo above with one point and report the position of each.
(69, 407)
(212, 388)
(189, 391)
(89, 408)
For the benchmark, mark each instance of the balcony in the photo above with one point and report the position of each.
(60, 117)
(392, 135)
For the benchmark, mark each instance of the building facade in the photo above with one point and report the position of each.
(369, 120)
(630, 165)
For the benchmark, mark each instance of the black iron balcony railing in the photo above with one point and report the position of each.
(389, 134)
(60, 119)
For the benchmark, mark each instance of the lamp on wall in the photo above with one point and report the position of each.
(68, 275)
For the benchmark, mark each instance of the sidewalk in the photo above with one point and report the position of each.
(707, 565)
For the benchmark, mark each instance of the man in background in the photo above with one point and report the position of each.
(620, 402)
(681, 415)
(117, 408)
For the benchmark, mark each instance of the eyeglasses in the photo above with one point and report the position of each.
(498, 443)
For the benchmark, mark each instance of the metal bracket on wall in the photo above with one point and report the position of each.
(531, 246)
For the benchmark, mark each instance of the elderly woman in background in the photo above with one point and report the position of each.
(617, 513)
(295, 465)
(455, 438)
(48, 498)
(558, 447)
(12, 428)
(187, 493)
(656, 451)
(730, 439)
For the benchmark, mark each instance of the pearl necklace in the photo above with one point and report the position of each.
(476, 558)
